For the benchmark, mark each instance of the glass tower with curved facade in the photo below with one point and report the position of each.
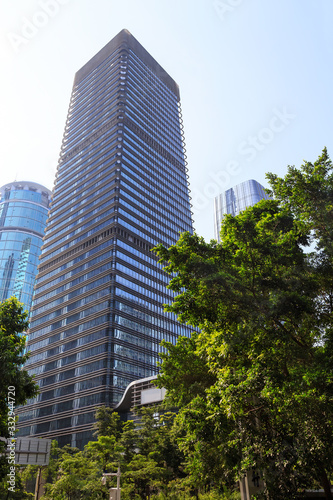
(121, 188)
(236, 199)
(23, 213)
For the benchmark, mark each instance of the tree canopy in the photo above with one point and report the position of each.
(150, 461)
(13, 325)
(16, 385)
(256, 381)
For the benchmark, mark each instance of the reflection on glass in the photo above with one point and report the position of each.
(23, 214)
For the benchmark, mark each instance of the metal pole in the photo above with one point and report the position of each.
(118, 480)
(37, 484)
(118, 490)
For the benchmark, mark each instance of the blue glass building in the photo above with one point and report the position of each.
(121, 188)
(23, 213)
(236, 199)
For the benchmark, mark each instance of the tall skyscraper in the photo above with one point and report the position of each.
(236, 199)
(23, 213)
(121, 188)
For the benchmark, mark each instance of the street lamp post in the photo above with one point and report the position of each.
(114, 492)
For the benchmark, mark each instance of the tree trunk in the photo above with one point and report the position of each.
(327, 486)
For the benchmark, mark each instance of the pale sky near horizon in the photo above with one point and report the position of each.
(255, 79)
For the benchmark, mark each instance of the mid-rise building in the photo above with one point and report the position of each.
(23, 214)
(236, 199)
(121, 188)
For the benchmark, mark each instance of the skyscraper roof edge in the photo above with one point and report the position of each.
(126, 39)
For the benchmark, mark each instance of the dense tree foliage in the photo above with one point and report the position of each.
(255, 385)
(13, 324)
(151, 463)
(16, 385)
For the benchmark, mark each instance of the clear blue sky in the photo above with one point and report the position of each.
(255, 78)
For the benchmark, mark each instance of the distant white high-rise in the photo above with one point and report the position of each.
(236, 199)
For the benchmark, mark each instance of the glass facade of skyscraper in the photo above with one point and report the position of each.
(23, 213)
(121, 188)
(236, 199)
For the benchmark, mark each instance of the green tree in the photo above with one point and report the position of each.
(150, 461)
(141, 477)
(74, 474)
(129, 440)
(308, 194)
(258, 300)
(156, 441)
(107, 422)
(107, 451)
(16, 385)
(13, 323)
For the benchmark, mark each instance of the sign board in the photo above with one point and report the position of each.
(33, 451)
(154, 395)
